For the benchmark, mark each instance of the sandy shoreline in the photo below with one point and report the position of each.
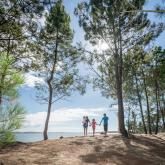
(111, 150)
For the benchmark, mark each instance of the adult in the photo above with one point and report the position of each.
(84, 125)
(105, 123)
(85, 122)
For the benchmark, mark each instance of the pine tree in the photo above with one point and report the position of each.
(58, 60)
(11, 112)
(109, 22)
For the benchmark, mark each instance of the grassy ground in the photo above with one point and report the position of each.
(111, 150)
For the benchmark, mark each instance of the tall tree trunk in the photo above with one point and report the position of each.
(163, 118)
(147, 101)
(49, 110)
(121, 109)
(128, 120)
(118, 74)
(134, 121)
(49, 82)
(162, 109)
(140, 103)
(157, 106)
(50, 101)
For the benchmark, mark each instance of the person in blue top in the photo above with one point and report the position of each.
(105, 123)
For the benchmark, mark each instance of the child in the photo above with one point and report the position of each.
(93, 124)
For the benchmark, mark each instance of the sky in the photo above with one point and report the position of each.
(66, 115)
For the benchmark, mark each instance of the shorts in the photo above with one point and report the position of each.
(85, 125)
(106, 127)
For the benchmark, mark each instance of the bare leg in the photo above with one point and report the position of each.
(105, 130)
(84, 131)
(93, 131)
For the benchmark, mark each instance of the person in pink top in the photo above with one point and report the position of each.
(93, 124)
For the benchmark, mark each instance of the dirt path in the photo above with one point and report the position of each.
(112, 150)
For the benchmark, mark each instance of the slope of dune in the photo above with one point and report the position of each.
(111, 150)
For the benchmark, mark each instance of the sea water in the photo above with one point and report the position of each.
(38, 136)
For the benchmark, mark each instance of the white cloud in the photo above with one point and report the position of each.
(30, 80)
(63, 120)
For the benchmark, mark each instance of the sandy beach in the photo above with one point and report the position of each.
(111, 150)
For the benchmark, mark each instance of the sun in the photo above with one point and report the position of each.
(101, 46)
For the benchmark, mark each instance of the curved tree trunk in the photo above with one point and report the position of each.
(50, 101)
(49, 110)
(49, 81)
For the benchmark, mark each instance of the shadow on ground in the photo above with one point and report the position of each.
(134, 151)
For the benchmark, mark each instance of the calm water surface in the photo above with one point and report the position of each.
(38, 136)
